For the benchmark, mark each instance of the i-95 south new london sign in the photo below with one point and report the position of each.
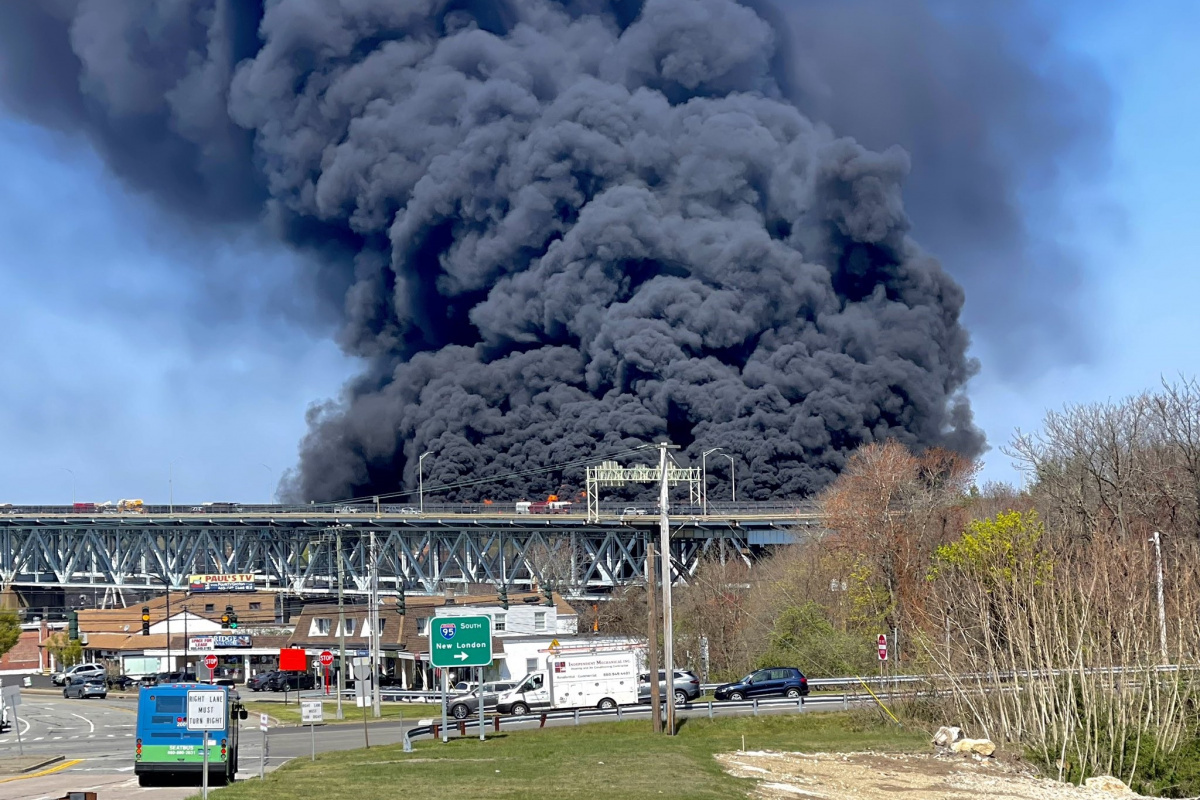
(460, 641)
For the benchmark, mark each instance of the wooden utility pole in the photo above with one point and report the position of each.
(652, 636)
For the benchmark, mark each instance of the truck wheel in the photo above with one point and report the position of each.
(520, 709)
(793, 693)
(460, 711)
(736, 696)
(680, 697)
(607, 704)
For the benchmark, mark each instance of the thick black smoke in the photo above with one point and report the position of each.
(558, 228)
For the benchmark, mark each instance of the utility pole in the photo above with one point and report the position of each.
(1162, 611)
(341, 627)
(421, 480)
(652, 636)
(373, 621)
(664, 526)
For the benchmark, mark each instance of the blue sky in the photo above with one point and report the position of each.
(109, 372)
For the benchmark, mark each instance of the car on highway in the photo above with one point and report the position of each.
(410, 511)
(261, 681)
(686, 688)
(769, 682)
(633, 512)
(84, 686)
(466, 705)
(62, 678)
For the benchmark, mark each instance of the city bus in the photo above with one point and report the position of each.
(166, 748)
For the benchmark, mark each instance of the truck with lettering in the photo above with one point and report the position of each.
(165, 748)
(599, 679)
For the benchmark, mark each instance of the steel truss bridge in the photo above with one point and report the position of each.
(297, 552)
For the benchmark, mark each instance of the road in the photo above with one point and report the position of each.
(96, 739)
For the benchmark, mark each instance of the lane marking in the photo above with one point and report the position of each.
(91, 725)
(56, 768)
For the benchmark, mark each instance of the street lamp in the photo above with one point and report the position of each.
(421, 479)
(704, 477)
(270, 474)
(166, 582)
(732, 475)
(171, 486)
(72, 483)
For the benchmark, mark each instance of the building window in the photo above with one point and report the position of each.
(422, 626)
(498, 622)
(539, 620)
(530, 665)
(256, 606)
(350, 626)
(319, 627)
(210, 607)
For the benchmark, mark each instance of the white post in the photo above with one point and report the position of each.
(664, 526)
(204, 769)
(1162, 611)
(479, 691)
(341, 627)
(445, 691)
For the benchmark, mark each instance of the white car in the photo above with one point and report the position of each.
(633, 512)
(78, 671)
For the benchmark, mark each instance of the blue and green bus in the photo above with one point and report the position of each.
(164, 745)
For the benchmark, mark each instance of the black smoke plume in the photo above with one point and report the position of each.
(556, 229)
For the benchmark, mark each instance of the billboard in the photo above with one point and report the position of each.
(222, 583)
(219, 641)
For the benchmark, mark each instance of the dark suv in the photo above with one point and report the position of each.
(261, 681)
(769, 682)
(291, 681)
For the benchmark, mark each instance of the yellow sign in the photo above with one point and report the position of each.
(554, 644)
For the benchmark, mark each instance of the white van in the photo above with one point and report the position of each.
(579, 680)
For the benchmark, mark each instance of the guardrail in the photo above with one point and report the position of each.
(579, 715)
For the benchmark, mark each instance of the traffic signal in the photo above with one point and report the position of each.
(227, 616)
(401, 603)
(233, 620)
(504, 597)
(73, 626)
(145, 620)
(548, 594)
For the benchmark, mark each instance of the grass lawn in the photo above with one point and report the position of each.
(290, 714)
(619, 760)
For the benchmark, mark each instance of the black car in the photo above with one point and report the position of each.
(769, 682)
(262, 681)
(291, 681)
(121, 682)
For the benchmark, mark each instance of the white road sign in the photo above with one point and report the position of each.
(311, 712)
(10, 696)
(205, 710)
(264, 722)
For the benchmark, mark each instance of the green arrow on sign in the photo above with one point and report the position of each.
(460, 641)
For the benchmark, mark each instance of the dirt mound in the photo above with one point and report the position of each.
(876, 776)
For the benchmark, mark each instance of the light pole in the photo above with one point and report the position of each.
(72, 483)
(732, 475)
(704, 477)
(270, 474)
(171, 486)
(421, 479)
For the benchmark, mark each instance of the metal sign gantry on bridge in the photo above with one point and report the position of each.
(298, 552)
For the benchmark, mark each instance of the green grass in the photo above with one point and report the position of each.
(620, 760)
(290, 714)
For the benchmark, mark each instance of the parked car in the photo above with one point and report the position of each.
(121, 682)
(463, 687)
(770, 682)
(467, 705)
(291, 681)
(261, 681)
(167, 677)
(62, 678)
(686, 688)
(84, 686)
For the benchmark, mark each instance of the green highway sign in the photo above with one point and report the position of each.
(460, 641)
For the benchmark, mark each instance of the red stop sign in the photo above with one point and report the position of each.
(210, 661)
(326, 658)
(882, 644)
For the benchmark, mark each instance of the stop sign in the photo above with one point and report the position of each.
(326, 658)
(210, 661)
(882, 642)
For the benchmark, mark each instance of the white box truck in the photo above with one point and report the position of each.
(577, 680)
